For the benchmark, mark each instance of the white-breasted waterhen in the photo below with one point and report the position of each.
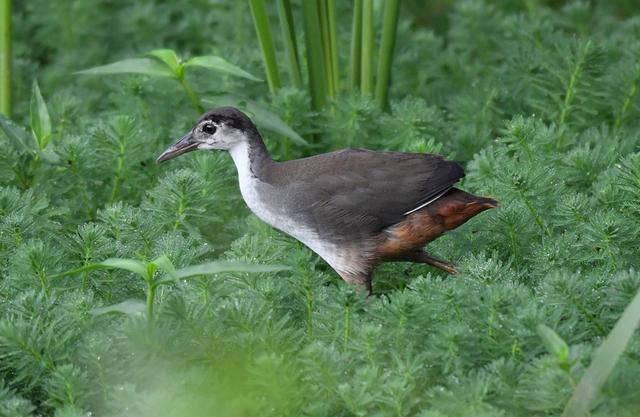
(355, 208)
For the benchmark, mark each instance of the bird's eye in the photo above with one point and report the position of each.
(209, 128)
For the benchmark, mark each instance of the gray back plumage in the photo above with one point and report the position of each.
(358, 192)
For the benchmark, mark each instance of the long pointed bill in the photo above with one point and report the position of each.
(184, 145)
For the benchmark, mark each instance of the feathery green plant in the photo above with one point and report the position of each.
(537, 101)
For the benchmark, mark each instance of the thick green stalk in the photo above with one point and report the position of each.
(313, 43)
(289, 36)
(263, 30)
(333, 43)
(356, 47)
(366, 70)
(387, 44)
(5, 57)
(326, 46)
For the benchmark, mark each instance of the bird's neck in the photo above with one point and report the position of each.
(251, 157)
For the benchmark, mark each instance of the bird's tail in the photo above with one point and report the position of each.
(459, 206)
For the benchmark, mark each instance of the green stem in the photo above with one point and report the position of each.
(366, 71)
(313, 43)
(189, 91)
(289, 36)
(387, 44)
(118, 177)
(309, 301)
(573, 82)
(356, 47)
(627, 101)
(263, 30)
(151, 295)
(347, 327)
(5, 57)
(326, 46)
(333, 42)
(181, 210)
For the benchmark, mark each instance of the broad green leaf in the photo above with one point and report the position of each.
(126, 307)
(227, 266)
(129, 264)
(132, 265)
(604, 359)
(261, 116)
(167, 56)
(40, 121)
(219, 64)
(554, 343)
(14, 133)
(164, 264)
(85, 268)
(145, 66)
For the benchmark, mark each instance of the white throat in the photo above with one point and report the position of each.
(252, 188)
(240, 154)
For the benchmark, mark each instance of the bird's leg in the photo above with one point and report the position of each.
(424, 257)
(362, 280)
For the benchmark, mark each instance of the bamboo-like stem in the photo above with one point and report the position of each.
(289, 36)
(356, 47)
(387, 44)
(263, 30)
(313, 43)
(333, 43)
(326, 46)
(5, 57)
(366, 71)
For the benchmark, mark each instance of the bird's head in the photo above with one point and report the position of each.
(221, 128)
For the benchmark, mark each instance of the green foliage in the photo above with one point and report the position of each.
(538, 101)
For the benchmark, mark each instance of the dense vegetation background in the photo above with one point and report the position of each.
(539, 102)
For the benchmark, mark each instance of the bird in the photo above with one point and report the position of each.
(355, 208)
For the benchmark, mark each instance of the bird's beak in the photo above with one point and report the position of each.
(184, 145)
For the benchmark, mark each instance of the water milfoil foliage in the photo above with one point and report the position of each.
(128, 288)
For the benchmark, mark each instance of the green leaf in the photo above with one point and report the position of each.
(604, 360)
(132, 265)
(554, 344)
(85, 268)
(40, 121)
(219, 64)
(169, 57)
(164, 264)
(126, 307)
(145, 66)
(227, 266)
(261, 116)
(14, 133)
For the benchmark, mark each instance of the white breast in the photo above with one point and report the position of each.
(277, 217)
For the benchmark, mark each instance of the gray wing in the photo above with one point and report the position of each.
(360, 192)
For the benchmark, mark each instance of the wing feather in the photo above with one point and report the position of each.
(361, 191)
